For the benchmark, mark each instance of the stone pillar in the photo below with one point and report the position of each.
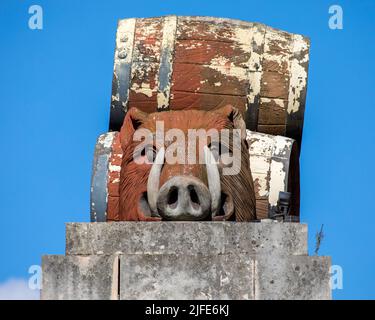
(186, 260)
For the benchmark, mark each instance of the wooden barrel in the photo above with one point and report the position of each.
(100, 178)
(175, 62)
(274, 163)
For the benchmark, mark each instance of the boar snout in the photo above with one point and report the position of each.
(184, 198)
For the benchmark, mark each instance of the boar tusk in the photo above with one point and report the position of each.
(213, 180)
(153, 181)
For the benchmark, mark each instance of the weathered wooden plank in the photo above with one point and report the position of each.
(114, 171)
(282, 147)
(274, 129)
(189, 100)
(294, 128)
(234, 57)
(205, 29)
(114, 167)
(242, 49)
(113, 209)
(277, 50)
(256, 46)
(147, 40)
(211, 53)
(260, 163)
(261, 185)
(210, 79)
(143, 103)
(144, 83)
(262, 208)
(259, 144)
(274, 163)
(272, 111)
(274, 85)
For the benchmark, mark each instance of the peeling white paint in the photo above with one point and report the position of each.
(279, 102)
(260, 164)
(167, 47)
(243, 38)
(143, 70)
(298, 78)
(282, 147)
(254, 82)
(250, 40)
(277, 181)
(277, 39)
(162, 100)
(260, 143)
(115, 98)
(148, 30)
(144, 88)
(106, 139)
(114, 168)
(269, 163)
(261, 182)
(228, 69)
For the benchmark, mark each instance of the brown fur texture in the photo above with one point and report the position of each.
(133, 178)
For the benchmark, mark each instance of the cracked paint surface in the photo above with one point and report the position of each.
(270, 164)
(181, 62)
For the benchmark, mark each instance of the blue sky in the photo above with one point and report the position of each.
(55, 89)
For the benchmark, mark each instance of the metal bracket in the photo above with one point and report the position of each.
(281, 212)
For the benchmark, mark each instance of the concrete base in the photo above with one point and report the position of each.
(186, 260)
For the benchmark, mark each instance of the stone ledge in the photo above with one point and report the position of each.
(79, 277)
(199, 277)
(178, 276)
(220, 277)
(186, 238)
(292, 278)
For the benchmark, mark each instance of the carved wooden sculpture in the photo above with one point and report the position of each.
(182, 191)
(199, 63)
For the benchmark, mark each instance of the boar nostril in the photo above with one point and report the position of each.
(194, 197)
(173, 197)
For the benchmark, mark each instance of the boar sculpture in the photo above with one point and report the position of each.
(153, 189)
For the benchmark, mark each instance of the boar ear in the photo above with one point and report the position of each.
(234, 115)
(133, 119)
